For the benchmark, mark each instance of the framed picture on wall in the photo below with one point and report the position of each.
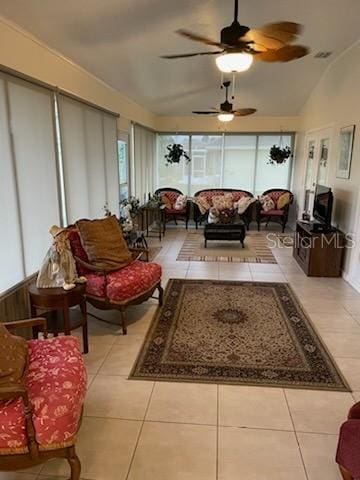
(345, 151)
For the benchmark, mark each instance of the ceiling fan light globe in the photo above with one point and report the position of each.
(226, 117)
(234, 62)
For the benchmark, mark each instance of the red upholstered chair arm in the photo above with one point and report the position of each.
(347, 454)
(19, 391)
(354, 412)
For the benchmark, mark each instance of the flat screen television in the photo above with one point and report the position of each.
(323, 204)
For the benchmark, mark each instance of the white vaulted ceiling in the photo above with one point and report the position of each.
(120, 41)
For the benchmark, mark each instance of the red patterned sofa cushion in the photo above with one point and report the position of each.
(172, 196)
(56, 384)
(132, 281)
(209, 194)
(275, 195)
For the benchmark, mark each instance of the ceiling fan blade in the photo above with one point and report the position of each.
(243, 112)
(187, 55)
(261, 42)
(284, 54)
(199, 112)
(286, 32)
(198, 38)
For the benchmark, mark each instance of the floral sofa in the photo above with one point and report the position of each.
(209, 194)
(172, 213)
(41, 416)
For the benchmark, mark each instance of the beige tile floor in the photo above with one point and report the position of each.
(135, 430)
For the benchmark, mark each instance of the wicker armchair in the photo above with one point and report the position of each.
(172, 213)
(275, 215)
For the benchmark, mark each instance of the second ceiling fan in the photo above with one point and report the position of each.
(226, 112)
(239, 44)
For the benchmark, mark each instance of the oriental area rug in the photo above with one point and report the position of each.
(244, 333)
(256, 250)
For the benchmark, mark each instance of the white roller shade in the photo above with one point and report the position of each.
(11, 271)
(32, 125)
(89, 157)
(143, 161)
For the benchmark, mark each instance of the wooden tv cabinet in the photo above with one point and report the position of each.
(318, 254)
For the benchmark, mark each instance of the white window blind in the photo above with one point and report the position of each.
(143, 161)
(32, 124)
(11, 271)
(88, 139)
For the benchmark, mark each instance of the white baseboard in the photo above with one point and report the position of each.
(353, 281)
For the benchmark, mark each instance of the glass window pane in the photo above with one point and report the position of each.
(206, 156)
(271, 176)
(239, 162)
(123, 164)
(174, 176)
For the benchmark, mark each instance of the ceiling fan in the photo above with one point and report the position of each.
(226, 113)
(239, 44)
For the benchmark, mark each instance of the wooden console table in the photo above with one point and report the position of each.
(318, 254)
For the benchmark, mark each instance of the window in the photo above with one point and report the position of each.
(58, 157)
(175, 176)
(206, 152)
(144, 142)
(88, 140)
(123, 159)
(238, 161)
(271, 176)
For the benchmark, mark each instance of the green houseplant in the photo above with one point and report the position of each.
(279, 155)
(175, 153)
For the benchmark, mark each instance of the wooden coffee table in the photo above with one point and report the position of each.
(225, 231)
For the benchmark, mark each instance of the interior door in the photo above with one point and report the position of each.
(318, 149)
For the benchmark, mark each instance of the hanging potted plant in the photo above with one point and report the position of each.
(279, 154)
(175, 153)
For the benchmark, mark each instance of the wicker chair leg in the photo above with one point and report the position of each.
(123, 322)
(75, 465)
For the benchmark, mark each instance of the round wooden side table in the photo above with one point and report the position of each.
(58, 299)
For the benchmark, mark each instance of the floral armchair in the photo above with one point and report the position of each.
(40, 416)
(348, 451)
(278, 214)
(120, 288)
(171, 213)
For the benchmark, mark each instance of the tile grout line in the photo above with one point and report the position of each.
(140, 432)
(296, 436)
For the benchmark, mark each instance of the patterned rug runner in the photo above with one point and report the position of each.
(256, 250)
(246, 333)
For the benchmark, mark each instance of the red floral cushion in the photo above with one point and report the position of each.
(78, 250)
(56, 384)
(125, 284)
(174, 211)
(278, 213)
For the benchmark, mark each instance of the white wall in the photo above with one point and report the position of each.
(252, 123)
(335, 103)
(22, 52)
